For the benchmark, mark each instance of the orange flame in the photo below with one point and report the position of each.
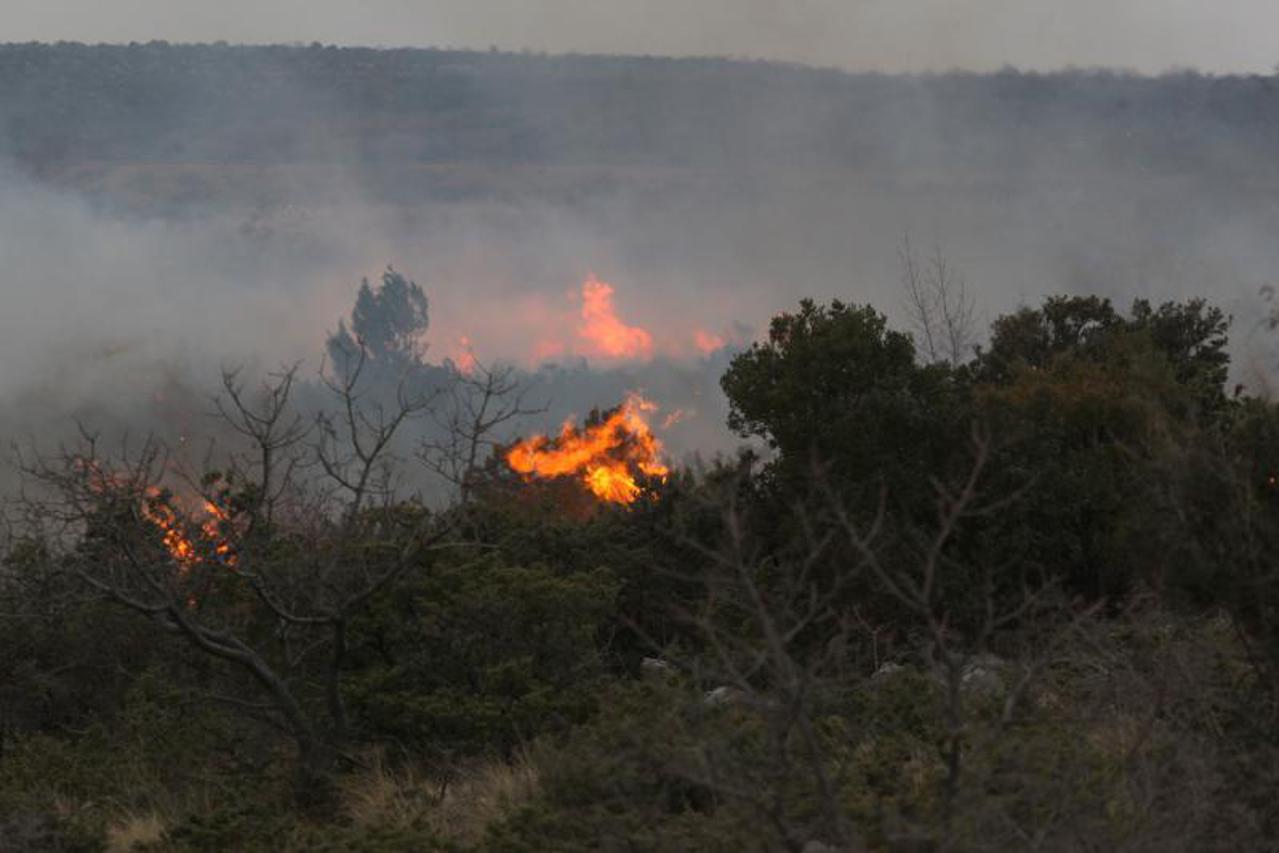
(675, 417)
(608, 457)
(161, 508)
(708, 342)
(186, 546)
(465, 359)
(602, 328)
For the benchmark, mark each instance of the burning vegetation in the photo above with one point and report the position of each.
(603, 331)
(189, 537)
(610, 457)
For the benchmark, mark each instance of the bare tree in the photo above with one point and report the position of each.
(780, 638)
(275, 433)
(480, 402)
(918, 585)
(938, 304)
(274, 603)
(355, 447)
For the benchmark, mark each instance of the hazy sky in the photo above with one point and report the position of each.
(1148, 35)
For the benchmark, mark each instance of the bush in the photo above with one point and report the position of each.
(482, 657)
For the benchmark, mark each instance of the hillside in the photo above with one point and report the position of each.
(199, 122)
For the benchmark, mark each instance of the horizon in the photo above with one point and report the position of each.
(782, 64)
(1147, 37)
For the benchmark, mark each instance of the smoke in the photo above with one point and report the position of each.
(128, 285)
(100, 312)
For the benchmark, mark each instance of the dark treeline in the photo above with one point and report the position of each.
(162, 103)
(1022, 598)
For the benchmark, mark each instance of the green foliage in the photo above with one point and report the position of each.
(1078, 435)
(1116, 470)
(1078, 400)
(1190, 335)
(147, 756)
(480, 656)
(388, 322)
(1033, 337)
(1220, 484)
(628, 780)
(835, 386)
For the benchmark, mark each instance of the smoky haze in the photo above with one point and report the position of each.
(168, 210)
(885, 35)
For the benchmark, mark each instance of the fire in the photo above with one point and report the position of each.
(186, 541)
(602, 328)
(675, 417)
(465, 359)
(708, 342)
(176, 541)
(608, 457)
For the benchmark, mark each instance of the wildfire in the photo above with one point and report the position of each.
(608, 457)
(604, 330)
(464, 361)
(708, 342)
(186, 541)
(589, 324)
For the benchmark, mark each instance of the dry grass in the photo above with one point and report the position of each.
(135, 832)
(474, 797)
(382, 796)
(481, 795)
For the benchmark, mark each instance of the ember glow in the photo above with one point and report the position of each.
(608, 457)
(188, 537)
(465, 358)
(602, 330)
(708, 342)
(187, 540)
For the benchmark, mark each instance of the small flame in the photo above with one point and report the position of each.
(675, 417)
(708, 342)
(604, 331)
(608, 457)
(465, 359)
(184, 544)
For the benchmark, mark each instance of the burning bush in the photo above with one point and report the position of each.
(610, 456)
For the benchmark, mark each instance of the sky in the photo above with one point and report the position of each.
(889, 35)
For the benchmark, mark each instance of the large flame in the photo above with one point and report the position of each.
(604, 331)
(537, 330)
(608, 457)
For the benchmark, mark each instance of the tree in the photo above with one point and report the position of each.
(387, 327)
(269, 579)
(1090, 401)
(939, 306)
(1031, 337)
(1191, 335)
(835, 384)
(479, 404)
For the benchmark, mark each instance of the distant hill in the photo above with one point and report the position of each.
(419, 118)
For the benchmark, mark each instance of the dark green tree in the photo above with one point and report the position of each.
(387, 327)
(834, 385)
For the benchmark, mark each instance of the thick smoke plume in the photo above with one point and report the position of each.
(607, 240)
